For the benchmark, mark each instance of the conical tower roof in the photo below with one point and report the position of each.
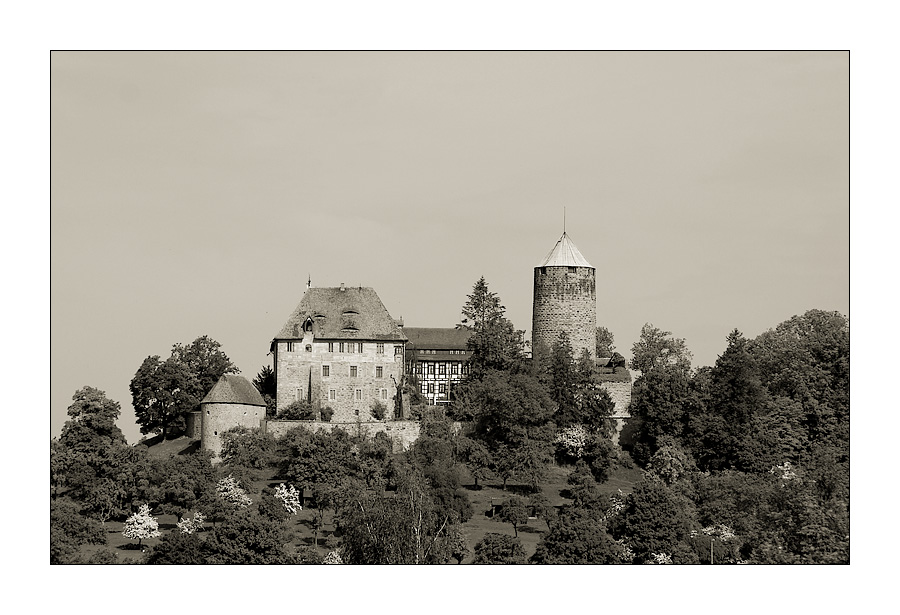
(233, 389)
(565, 254)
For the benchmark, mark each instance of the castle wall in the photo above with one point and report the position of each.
(300, 374)
(219, 418)
(401, 433)
(565, 301)
(194, 426)
(621, 395)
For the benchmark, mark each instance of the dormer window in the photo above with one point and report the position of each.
(308, 325)
(350, 313)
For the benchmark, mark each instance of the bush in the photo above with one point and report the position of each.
(327, 412)
(379, 410)
(499, 549)
(298, 411)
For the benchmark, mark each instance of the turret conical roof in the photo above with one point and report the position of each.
(565, 254)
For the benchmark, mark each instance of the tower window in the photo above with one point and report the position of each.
(353, 371)
(571, 269)
(379, 348)
(326, 371)
(379, 372)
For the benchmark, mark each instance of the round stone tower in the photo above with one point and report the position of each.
(565, 299)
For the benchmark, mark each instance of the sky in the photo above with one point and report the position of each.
(195, 193)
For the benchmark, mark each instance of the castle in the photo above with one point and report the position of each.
(340, 349)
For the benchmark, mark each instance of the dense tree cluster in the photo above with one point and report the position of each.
(744, 461)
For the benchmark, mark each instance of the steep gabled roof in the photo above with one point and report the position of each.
(231, 389)
(437, 338)
(342, 313)
(565, 254)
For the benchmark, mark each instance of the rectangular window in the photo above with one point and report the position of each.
(442, 368)
(442, 388)
(398, 350)
(431, 387)
(289, 346)
(379, 372)
(298, 394)
(454, 369)
(341, 347)
(351, 347)
(359, 348)
(431, 368)
(383, 393)
(358, 394)
(326, 371)
(379, 348)
(330, 346)
(353, 371)
(332, 395)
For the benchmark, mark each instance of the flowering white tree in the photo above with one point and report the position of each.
(660, 558)
(333, 557)
(290, 498)
(229, 490)
(141, 525)
(572, 440)
(785, 471)
(189, 526)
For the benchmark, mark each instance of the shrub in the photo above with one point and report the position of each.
(379, 410)
(499, 549)
(327, 412)
(298, 411)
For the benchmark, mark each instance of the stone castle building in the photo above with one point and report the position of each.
(341, 349)
(565, 300)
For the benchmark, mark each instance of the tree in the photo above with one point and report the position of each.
(662, 400)
(248, 538)
(69, 530)
(141, 525)
(231, 492)
(653, 520)
(205, 361)
(161, 393)
(178, 548)
(265, 384)
(578, 537)
(379, 410)
(515, 513)
(499, 549)
(656, 347)
(604, 346)
(265, 381)
(248, 448)
(495, 343)
(476, 457)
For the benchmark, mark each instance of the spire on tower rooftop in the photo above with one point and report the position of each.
(565, 254)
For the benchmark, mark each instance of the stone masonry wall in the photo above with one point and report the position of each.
(621, 395)
(299, 372)
(401, 433)
(567, 302)
(219, 418)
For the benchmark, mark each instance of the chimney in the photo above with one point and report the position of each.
(342, 287)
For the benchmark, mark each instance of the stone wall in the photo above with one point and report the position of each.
(621, 395)
(194, 426)
(565, 301)
(311, 371)
(219, 418)
(401, 433)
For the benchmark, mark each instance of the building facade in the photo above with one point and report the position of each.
(341, 349)
(438, 357)
(565, 300)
